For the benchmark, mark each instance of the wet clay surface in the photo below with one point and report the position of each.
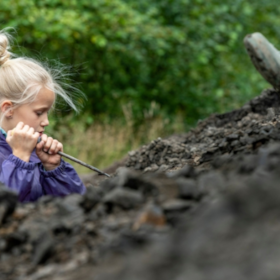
(200, 205)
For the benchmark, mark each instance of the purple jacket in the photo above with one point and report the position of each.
(31, 181)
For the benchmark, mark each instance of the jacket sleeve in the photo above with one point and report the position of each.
(21, 177)
(61, 181)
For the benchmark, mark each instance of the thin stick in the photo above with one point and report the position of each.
(84, 164)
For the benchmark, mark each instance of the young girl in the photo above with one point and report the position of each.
(27, 93)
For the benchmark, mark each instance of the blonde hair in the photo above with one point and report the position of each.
(22, 78)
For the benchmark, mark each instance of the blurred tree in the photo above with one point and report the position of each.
(149, 57)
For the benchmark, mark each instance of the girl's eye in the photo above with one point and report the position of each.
(39, 113)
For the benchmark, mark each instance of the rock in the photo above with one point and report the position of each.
(8, 202)
(211, 184)
(69, 214)
(124, 198)
(91, 198)
(132, 180)
(43, 248)
(188, 189)
(187, 171)
(176, 205)
(152, 214)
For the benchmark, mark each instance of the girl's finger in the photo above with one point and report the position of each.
(53, 147)
(48, 144)
(20, 125)
(25, 128)
(59, 147)
(36, 135)
(30, 131)
(40, 145)
(44, 137)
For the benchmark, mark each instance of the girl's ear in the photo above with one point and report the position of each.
(5, 107)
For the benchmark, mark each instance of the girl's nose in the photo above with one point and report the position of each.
(45, 122)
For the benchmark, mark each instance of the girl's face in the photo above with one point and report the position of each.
(34, 114)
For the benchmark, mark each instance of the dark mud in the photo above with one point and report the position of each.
(201, 205)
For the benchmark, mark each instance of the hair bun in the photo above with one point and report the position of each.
(4, 46)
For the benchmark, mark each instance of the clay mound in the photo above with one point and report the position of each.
(202, 205)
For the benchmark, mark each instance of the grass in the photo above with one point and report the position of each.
(101, 144)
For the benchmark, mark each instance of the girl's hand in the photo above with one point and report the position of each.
(47, 150)
(22, 139)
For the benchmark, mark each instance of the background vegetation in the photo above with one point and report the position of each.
(160, 64)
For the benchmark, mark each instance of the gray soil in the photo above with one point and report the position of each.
(201, 205)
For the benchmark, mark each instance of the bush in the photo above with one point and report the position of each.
(148, 58)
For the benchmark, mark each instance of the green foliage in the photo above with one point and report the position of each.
(149, 57)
